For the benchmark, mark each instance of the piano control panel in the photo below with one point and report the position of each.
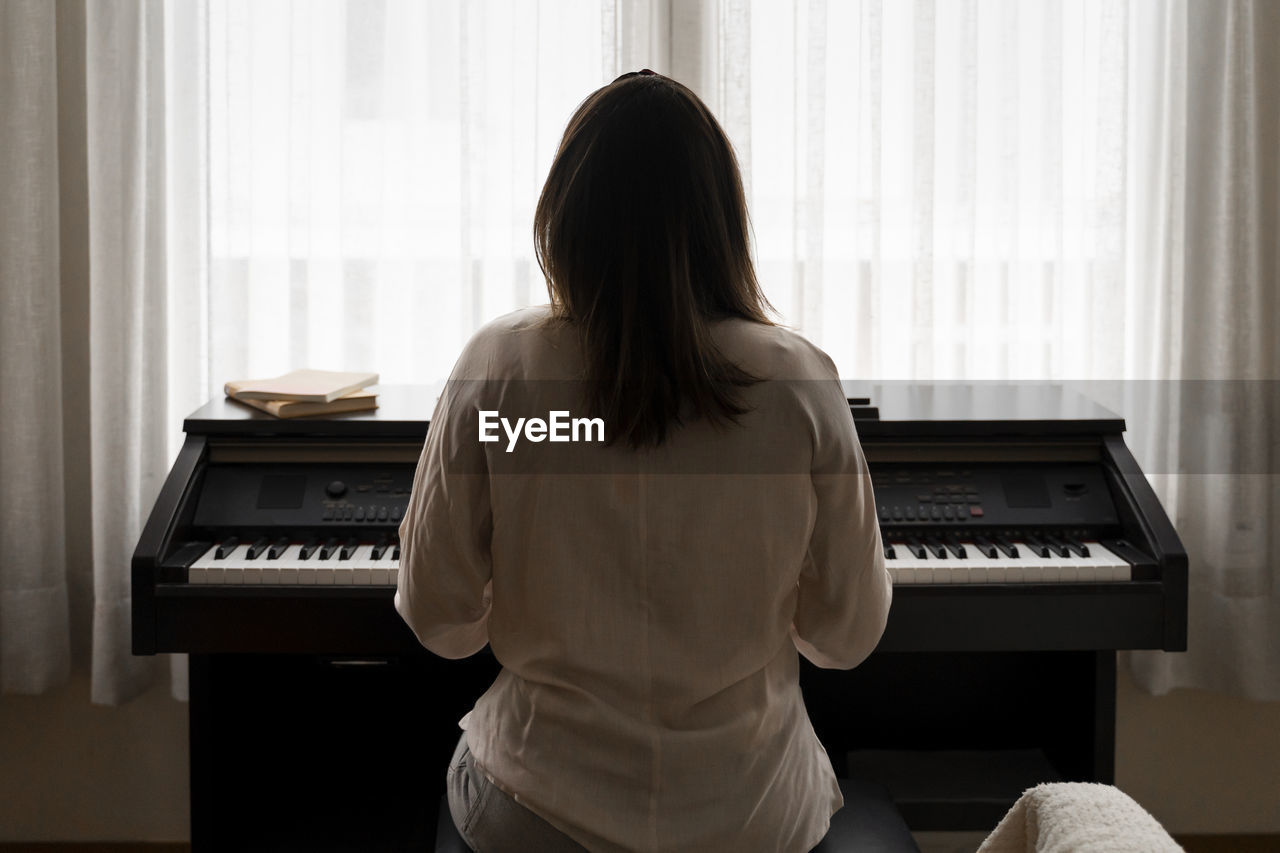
(920, 496)
(297, 496)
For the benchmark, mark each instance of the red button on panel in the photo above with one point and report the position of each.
(975, 511)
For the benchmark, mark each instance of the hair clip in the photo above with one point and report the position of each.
(647, 72)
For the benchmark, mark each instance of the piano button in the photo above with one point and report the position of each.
(225, 547)
(359, 513)
(346, 513)
(884, 512)
(897, 513)
(910, 513)
(937, 513)
(382, 513)
(975, 511)
(396, 513)
(924, 499)
(948, 512)
(328, 514)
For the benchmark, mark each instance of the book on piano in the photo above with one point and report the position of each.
(358, 401)
(301, 386)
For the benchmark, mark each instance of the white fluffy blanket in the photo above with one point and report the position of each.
(1077, 817)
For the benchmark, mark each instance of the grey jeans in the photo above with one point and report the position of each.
(490, 820)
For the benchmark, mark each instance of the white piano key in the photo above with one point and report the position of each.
(1027, 567)
(290, 569)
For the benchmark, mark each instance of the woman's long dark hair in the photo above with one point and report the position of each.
(642, 234)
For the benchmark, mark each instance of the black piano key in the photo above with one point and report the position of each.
(379, 548)
(1009, 549)
(225, 547)
(279, 547)
(1035, 546)
(259, 545)
(916, 548)
(348, 548)
(954, 546)
(1056, 546)
(985, 547)
(935, 547)
(307, 549)
(889, 553)
(329, 548)
(395, 551)
(1079, 547)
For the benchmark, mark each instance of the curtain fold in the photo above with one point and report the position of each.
(35, 645)
(1217, 292)
(128, 335)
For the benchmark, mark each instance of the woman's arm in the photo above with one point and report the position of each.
(445, 569)
(844, 588)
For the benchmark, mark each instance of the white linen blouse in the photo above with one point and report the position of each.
(647, 606)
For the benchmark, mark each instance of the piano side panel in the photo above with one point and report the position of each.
(1141, 510)
(162, 522)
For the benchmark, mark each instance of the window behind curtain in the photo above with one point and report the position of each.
(937, 189)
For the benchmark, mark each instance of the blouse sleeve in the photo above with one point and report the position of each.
(443, 591)
(844, 588)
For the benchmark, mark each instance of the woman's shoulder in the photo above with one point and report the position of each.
(773, 352)
(521, 341)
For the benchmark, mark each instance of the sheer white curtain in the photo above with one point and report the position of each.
(980, 189)
(35, 648)
(984, 189)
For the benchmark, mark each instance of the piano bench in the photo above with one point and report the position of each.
(868, 823)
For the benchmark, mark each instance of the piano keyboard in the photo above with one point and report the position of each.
(925, 561)
(333, 562)
(963, 560)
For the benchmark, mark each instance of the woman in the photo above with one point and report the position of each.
(645, 594)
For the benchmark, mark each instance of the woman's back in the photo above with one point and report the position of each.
(642, 601)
